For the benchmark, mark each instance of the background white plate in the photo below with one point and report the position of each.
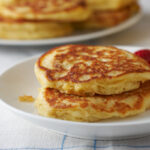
(20, 80)
(81, 36)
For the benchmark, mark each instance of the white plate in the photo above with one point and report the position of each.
(20, 80)
(77, 36)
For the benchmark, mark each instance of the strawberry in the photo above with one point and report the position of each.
(144, 53)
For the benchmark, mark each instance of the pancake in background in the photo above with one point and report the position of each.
(108, 4)
(108, 18)
(88, 70)
(57, 10)
(27, 30)
(52, 103)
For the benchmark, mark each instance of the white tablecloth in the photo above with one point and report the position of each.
(16, 133)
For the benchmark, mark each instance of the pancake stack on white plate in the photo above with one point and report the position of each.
(38, 19)
(41, 19)
(92, 83)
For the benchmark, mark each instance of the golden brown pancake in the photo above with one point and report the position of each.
(52, 103)
(109, 4)
(56, 10)
(26, 30)
(108, 18)
(88, 70)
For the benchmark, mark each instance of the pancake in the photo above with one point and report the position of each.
(108, 4)
(56, 10)
(52, 103)
(26, 30)
(88, 70)
(108, 18)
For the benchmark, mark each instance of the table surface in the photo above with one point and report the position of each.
(138, 35)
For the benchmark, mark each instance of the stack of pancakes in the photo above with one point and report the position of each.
(37, 19)
(108, 13)
(34, 19)
(91, 83)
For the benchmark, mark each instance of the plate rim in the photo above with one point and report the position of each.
(75, 38)
(36, 116)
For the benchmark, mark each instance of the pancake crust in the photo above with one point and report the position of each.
(88, 70)
(56, 10)
(26, 30)
(108, 4)
(52, 103)
(104, 19)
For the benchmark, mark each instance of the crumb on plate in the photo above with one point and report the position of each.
(26, 98)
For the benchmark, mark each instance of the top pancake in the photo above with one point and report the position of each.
(108, 4)
(88, 70)
(57, 10)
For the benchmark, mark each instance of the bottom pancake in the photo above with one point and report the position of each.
(52, 103)
(108, 18)
(27, 30)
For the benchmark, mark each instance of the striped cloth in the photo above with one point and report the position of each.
(18, 134)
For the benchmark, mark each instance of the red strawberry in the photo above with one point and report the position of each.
(144, 53)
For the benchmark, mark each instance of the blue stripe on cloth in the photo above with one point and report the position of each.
(63, 142)
(94, 146)
(83, 146)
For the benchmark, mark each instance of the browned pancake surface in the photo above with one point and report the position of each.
(92, 62)
(54, 10)
(52, 103)
(99, 103)
(46, 6)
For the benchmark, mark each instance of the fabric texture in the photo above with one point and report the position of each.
(18, 134)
